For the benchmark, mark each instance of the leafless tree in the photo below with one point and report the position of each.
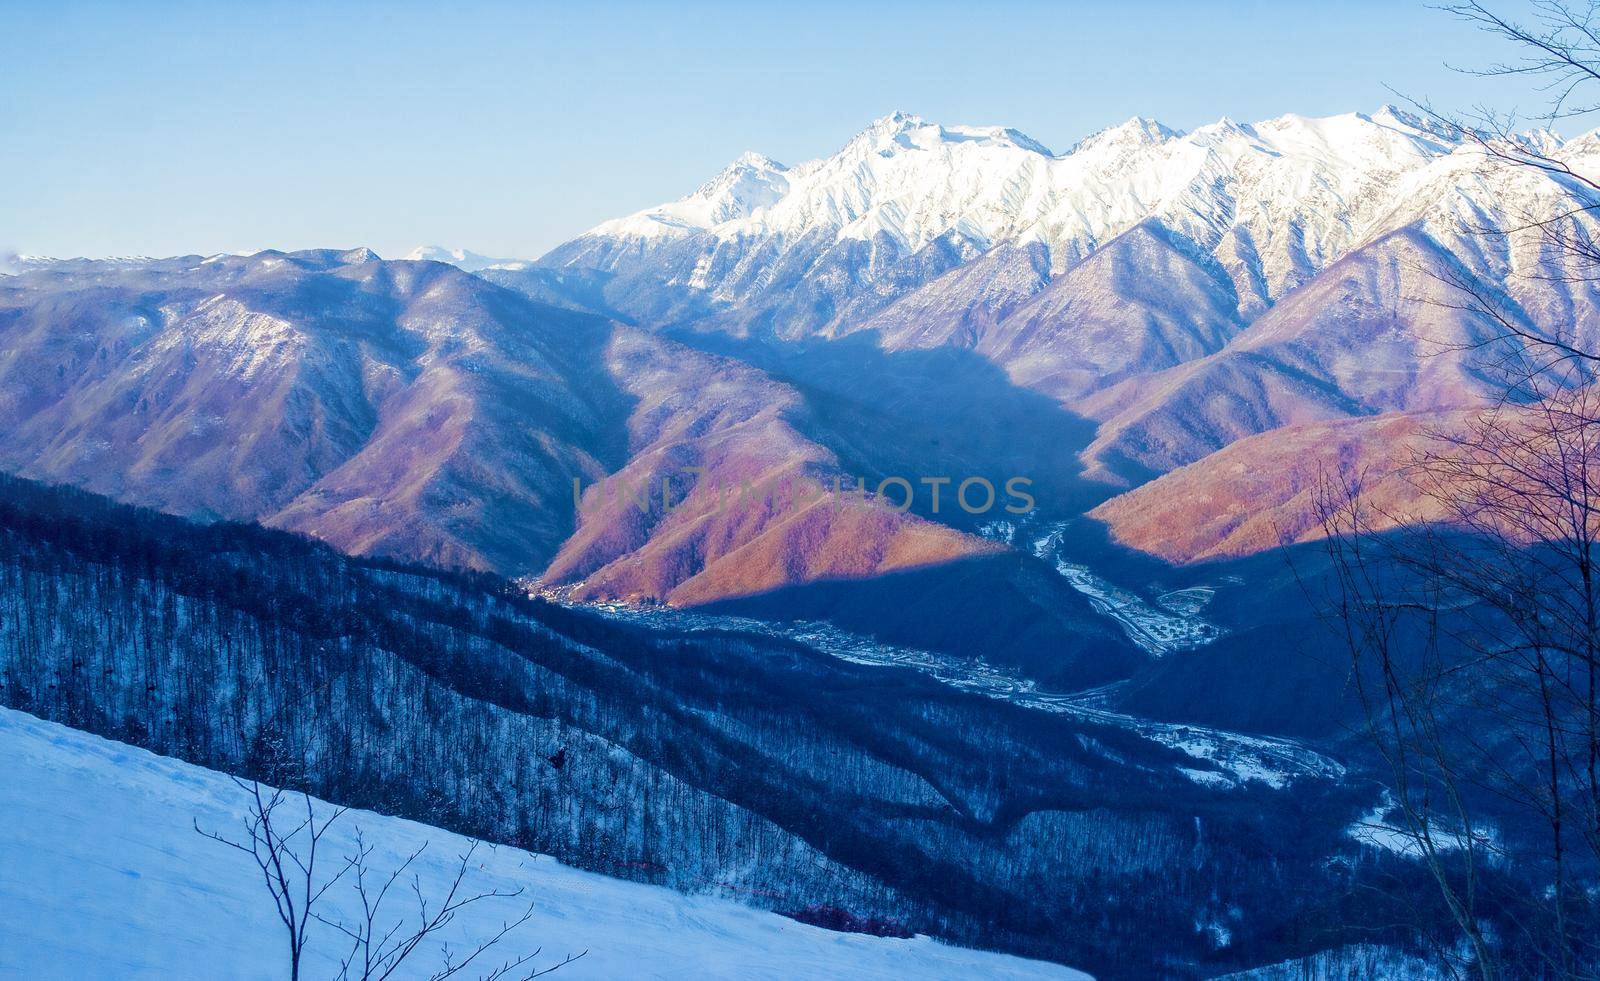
(285, 845)
(1474, 624)
(378, 947)
(285, 850)
(1474, 640)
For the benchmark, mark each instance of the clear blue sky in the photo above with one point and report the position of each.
(507, 128)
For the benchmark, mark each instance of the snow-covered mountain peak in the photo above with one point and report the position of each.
(1394, 117)
(895, 122)
(753, 181)
(908, 131)
(994, 136)
(757, 161)
(358, 255)
(1546, 141)
(461, 258)
(886, 130)
(1222, 128)
(1357, 136)
(750, 183)
(1581, 153)
(11, 263)
(1135, 133)
(1391, 114)
(748, 162)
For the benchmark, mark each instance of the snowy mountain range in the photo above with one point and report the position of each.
(1130, 277)
(912, 182)
(1268, 203)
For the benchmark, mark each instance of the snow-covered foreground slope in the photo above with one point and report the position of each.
(103, 875)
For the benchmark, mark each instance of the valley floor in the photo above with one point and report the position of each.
(1223, 759)
(102, 874)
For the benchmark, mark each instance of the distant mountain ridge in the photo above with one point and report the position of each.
(463, 259)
